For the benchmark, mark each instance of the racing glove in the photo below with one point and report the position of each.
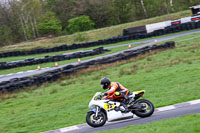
(105, 94)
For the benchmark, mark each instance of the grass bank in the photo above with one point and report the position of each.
(183, 124)
(169, 76)
(8, 59)
(52, 64)
(94, 35)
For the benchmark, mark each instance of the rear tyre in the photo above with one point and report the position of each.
(146, 111)
(98, 121)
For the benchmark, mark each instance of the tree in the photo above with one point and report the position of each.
(19, 19)
(28, 12)
(122, 9)
(82, 23)
(10, 30)
(49, 24)
(49, 4)
(100, 12)
(143, 7)
(67, 9)
(6, 35)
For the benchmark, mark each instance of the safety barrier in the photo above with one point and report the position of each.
(161, 26)
(33, 61)
(51, 76)
(135, 33)
(134, 30)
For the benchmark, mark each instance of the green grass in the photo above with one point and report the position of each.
(9, 59)
(52, 64)
(183, 124)
(169, 76)
(94, 35)
(182, 38)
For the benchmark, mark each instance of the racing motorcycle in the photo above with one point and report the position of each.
(103, 110)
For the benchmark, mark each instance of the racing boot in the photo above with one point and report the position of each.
(126, 99)
(130, 100)
(124, 108)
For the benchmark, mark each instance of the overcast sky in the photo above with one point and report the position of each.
(4, 1)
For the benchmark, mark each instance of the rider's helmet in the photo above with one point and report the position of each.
(105, 82)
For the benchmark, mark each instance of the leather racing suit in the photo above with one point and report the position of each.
(117, 91)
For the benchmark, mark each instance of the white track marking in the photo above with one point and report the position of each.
(30, 71)
(67, 129)
(19, 72)
(9, 74)
(45, 68)
(166, 108)
(195, 102)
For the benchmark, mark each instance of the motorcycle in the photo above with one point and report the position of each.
(103, 110)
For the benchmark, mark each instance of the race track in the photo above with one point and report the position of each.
(160, 114)
(192, 107)
(146, 43)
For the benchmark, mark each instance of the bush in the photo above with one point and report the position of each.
(82, 23)
(6, 36)
(49, 24)
(80, 37)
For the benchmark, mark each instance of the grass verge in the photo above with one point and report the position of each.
(52, 64)
(175, 125)
(9, 59)
(94, 35)
(169, 76)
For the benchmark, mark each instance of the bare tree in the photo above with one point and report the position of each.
(171, 4)
(28, 11)
(144, 9)
(166, 6)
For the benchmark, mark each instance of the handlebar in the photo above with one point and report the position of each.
(100, 96)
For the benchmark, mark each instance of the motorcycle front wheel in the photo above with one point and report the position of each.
(147, 109)
(94, 121)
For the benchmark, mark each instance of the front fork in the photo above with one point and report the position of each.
(97, 111)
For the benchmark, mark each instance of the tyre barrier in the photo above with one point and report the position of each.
(168, 29)
(134, 30)
(33, 61)
(51, 76)
(130, 34)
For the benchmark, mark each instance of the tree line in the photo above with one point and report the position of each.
(23, 20)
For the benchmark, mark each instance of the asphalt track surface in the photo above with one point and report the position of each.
(173, 111)
(146, 43)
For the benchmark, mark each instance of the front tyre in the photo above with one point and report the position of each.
(147, 108)
(98, 121)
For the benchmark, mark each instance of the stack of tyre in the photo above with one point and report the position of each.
(50, 76)
(33, 61)
(162, 28)
(135, 33)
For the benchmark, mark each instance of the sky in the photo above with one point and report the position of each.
(4, 1)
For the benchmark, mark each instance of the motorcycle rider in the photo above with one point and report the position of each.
(115, 91)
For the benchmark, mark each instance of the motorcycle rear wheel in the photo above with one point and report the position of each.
(147, 111)
(96, 122)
